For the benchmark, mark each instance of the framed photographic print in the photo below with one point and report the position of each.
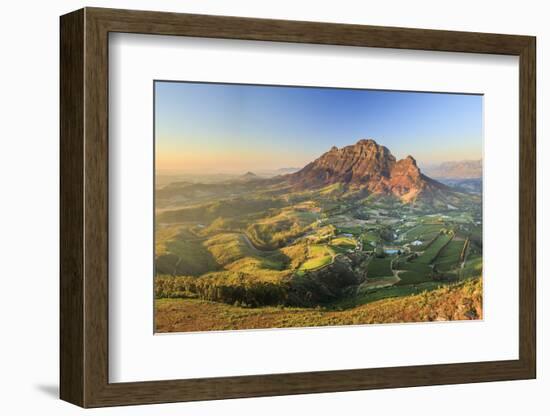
(255, 207)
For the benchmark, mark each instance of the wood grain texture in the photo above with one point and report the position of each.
(84, 207)
(162, 23)
(528, 207)
(96, 218)
(71, 213)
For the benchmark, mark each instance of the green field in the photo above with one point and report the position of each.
(429, 255)
(345, 243)
(449, 258)
(379, 267)
(414, 273)
(386, 293)
(350, 230)
(316, 263)
(472, 267)
(368, 237)
(419, 269)
(318, 256)
(423, 232)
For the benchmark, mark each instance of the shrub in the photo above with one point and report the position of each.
(227, 287)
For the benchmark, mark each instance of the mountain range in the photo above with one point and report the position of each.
(464, 169)
(364, 169)
(372, 167)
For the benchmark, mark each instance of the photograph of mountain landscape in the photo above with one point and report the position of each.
(286, 206)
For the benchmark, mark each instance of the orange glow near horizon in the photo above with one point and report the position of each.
(206, 159)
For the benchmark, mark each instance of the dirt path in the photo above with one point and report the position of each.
(381, 282)
(395, 272)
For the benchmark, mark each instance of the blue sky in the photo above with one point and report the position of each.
(211, 128)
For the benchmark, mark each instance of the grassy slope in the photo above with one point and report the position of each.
(345, 243)
(379, 267)
(419, 270)
(367, 237)
(181, 253)
(455, 302)
(162, 235)
(473, 266)
(432, 251)
(222, 208)
(272, 232)
(423, 232)
(450, 255)
(296, 253)
(318, 256)
(231, 251)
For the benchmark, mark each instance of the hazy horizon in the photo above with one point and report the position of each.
(205, 128)
(170, 171)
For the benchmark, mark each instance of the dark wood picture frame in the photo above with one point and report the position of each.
(84, 207)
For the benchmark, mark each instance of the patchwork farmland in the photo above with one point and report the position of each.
(327, 251)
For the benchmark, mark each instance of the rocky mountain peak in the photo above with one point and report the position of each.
(368, 165)
(411, 160)
(366, 142)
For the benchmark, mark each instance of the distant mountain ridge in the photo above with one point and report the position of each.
(464, 169)
(368, 165)
(282, 171)
(248, 176)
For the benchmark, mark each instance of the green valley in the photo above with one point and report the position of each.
(272, 252)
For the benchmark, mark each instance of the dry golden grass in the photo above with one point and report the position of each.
(456, 302)
(164, 234)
